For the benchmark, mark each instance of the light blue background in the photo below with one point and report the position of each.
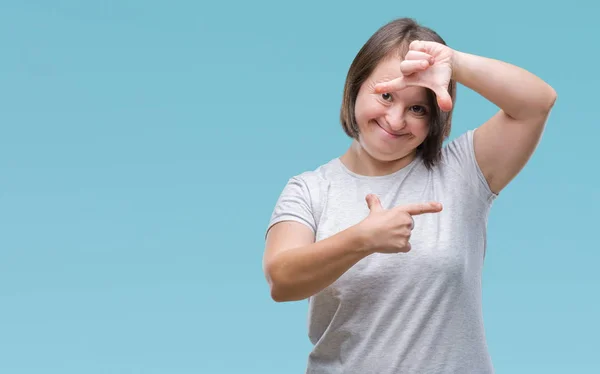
(143, 146)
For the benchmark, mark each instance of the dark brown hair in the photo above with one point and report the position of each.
(395, 37)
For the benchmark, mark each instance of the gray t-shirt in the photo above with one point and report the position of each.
(416, 312)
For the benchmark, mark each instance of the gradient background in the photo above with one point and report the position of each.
(143, 145)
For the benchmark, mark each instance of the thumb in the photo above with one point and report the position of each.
(373, 203)
(444, 99)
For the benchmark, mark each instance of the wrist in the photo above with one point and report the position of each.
(458, 65)
(361, 240)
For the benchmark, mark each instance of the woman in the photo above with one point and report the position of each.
(388, 241)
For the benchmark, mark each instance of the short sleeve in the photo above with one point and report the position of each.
(459, 155)
(294, 204)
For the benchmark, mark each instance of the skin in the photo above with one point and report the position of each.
(391, 124)
(391, 113)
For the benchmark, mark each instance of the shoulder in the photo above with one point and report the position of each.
(303, 196)
(314, 180)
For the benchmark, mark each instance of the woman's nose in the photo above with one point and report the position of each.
(396, 119)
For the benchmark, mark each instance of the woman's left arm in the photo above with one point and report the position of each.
(505, 143)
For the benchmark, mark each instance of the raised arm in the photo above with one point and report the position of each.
(505, 143)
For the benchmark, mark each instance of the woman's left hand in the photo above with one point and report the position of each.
(427, 64)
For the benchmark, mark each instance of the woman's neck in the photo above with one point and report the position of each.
(359, 161)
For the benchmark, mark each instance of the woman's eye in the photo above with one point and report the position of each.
(418, 109)
(386, 96)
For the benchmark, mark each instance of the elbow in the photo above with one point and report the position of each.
(545, 103)
(279, 295)
(551, 100)
(546, 107)
(538, 112)
(279, 287)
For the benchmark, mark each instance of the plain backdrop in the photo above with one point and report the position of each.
(143, 145)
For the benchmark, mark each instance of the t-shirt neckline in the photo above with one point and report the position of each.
(395, 174)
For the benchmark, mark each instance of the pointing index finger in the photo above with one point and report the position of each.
(421, 208)
(391, 86)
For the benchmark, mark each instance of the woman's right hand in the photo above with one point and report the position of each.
(389, 230)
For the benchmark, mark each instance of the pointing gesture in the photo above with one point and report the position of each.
(389, 231)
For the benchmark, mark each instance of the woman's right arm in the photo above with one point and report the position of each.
(297, 267)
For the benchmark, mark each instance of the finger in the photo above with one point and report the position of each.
(391, 86)
(421, 208)
(373, 203)
(444, 99)
(418, 45)
(417, 55)
(408, 67)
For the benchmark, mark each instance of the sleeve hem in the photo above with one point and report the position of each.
(491, 195)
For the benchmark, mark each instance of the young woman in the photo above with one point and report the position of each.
(388, 240)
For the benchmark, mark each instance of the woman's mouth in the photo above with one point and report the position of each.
(390, 134)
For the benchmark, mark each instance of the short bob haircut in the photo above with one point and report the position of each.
(395, 37)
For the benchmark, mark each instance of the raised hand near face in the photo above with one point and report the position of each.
(426, 64)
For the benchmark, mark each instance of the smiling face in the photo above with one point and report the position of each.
(391, 125)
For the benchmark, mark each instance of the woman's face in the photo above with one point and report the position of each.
(391, 125)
